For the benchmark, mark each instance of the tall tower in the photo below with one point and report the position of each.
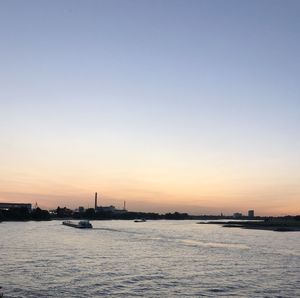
(96, 201)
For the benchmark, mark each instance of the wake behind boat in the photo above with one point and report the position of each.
(83, 224)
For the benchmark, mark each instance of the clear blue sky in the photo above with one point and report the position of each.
(152, 94)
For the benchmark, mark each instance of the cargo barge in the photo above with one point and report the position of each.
(83, 224)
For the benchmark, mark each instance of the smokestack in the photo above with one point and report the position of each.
(124, 208)
(95, 201)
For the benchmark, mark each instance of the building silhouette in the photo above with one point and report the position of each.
(251, 213)
(111, 209)
(7, 206)
(237, 215)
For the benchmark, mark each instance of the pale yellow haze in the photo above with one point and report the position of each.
(67, 172)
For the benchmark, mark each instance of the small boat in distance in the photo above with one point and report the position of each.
(83, 224)
(140, 220)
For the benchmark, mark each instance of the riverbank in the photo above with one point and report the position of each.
(271, 225)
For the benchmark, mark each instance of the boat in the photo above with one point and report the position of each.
(83, 224)
(140, 220)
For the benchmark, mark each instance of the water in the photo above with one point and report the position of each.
(152, 259)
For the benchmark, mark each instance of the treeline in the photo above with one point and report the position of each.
(23, 214)
(102, 215)
(282, 219)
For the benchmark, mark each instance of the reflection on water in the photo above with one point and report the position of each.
(214, 244)
(156, 259)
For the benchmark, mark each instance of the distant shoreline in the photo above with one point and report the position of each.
(271, 225)
(284, 223)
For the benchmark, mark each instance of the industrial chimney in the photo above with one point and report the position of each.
(95, 201)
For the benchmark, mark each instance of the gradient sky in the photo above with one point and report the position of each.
(170, 105)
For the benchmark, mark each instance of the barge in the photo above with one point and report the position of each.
(83, 224)
(140, 220)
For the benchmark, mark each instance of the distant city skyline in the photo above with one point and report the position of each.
(189, 106)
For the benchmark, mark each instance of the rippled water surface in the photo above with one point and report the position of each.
(151, 259)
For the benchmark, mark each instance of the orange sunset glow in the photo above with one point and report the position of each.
(168, 116)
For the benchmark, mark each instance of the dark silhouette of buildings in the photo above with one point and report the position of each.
(237, 215)
(251, 213)
(108, 209)
(6, 206)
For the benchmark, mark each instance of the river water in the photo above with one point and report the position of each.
(151, 259)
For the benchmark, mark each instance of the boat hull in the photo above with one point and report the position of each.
(77, 226)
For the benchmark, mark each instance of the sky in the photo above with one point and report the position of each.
(189, 106)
